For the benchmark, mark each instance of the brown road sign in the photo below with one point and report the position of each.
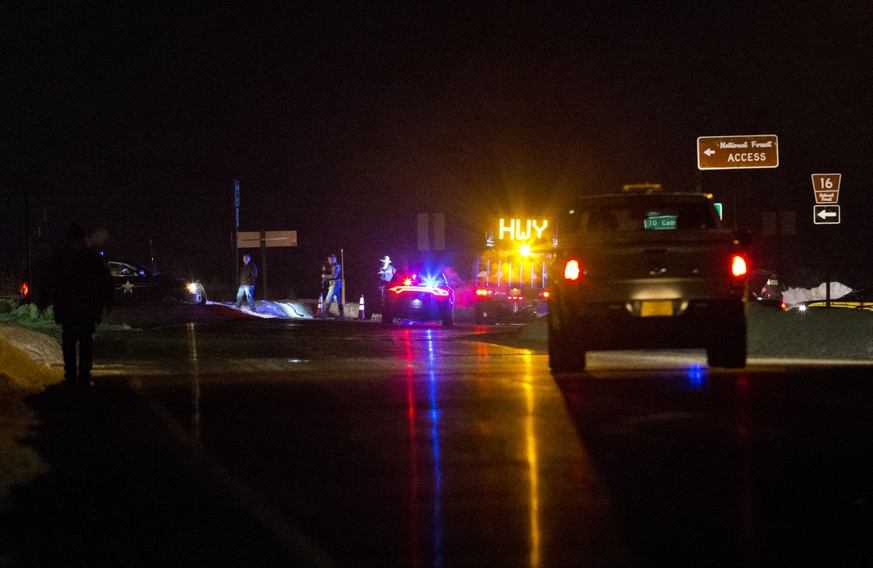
(248, 239)
(254, 239)
(826, 187)
(280, 238)
(737, 152)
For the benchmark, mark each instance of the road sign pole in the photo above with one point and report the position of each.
(264, 263)
(234, 242)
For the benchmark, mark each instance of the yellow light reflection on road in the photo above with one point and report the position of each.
(194, 372)
(532, 461)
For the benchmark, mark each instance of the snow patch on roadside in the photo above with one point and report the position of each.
(793, 296)
(29, 359)
(274, 309)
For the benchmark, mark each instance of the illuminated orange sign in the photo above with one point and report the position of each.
(521, 229)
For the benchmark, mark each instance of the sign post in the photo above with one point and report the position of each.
(827, 192)
(737, 152)
(262, 240)
(826, 211)
(236, 229)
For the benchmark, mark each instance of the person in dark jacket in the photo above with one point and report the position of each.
(80, 288)
(248, 274)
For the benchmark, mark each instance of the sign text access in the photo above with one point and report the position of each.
(737, 152)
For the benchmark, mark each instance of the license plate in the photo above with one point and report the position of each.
(660, 308)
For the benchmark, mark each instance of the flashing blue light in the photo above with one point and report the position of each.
(697, 376)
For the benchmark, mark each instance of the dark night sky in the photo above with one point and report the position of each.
(344, 120)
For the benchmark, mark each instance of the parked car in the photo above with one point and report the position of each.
(419, 297)
(647, 271)
(854, 300)
(135, 284)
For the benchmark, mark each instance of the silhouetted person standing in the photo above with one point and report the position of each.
(80, 288)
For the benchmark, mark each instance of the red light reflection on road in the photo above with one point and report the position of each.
(414, 512)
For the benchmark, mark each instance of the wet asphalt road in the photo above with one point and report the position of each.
(357, 444)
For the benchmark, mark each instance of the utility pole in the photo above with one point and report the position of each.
(28, 258)
(343, 276)
(235, 236)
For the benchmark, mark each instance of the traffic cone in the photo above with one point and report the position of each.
(320, 306)
(361, 308)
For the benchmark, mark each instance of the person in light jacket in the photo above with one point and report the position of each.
(334, 292)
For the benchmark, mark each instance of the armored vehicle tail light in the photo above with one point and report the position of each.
(738, 266)
(572, 270)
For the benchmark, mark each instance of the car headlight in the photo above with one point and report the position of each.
(193, 287)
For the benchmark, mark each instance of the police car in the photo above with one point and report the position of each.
(419, 296)
(136, 284)
(647, 269)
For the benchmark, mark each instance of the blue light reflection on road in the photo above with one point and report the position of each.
(415, 355)
(435, 440)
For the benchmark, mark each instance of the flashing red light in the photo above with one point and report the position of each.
(483, 292)
(572, 270)
(738, 266)
(25, 290)
(545, 294)
(436, 291)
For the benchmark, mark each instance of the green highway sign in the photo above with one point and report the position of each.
(660, 223)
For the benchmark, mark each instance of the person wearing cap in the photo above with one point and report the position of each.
(386, 274)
